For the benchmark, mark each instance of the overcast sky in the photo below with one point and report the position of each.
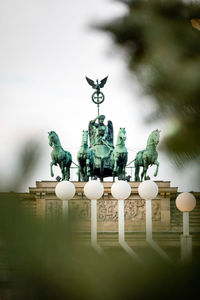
(47, 47)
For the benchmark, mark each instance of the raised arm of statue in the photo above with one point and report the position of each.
(93, 121)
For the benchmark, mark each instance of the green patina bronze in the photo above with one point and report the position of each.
(120, 155)
(148, 156)
(59, 156)
(102, 159)
(101, 134)
(97, 96)
(99, 157)
(101, 143)
(85, 159)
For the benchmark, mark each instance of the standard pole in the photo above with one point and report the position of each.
(148, 220)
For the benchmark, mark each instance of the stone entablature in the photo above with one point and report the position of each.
(107, 215)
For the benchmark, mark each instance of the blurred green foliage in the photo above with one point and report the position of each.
(41, 259)
(162, 49)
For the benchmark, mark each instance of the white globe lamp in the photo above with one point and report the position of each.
(65, 190)
(148, 190)
(185, 202)
(120, 190)
(93, 190)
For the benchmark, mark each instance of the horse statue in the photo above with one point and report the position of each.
(59, 156)
(85, 159)
(120, 156)
(148, 156)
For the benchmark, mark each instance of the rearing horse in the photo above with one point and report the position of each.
(120, 155)
(147, 157)
(85, 159)
(59, 156)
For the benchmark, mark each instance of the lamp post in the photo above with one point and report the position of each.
(94, 190)
(65, 190)
(121, 190)
(186, 202)
(148, 190)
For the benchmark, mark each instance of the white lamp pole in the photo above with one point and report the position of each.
(148, 190)
(148, 220)
(94, 190)
(186, 202)
(121, 227)
(65, 190)
(186, 230)
(65, 208)
(121, 190)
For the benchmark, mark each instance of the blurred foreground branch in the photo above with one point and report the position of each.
(161, 42)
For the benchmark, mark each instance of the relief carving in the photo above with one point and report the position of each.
(156, 210)
(80, 209)
(134, 210)
(107, 210)
(53, 208)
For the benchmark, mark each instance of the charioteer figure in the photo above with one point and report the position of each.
(101, 134)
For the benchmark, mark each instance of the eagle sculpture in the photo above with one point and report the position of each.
(98, 85)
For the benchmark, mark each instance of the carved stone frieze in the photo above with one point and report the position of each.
(107, 207)
(107, 211)
(156, 210)
(80, 209)
(134, 210)
(53, 208)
